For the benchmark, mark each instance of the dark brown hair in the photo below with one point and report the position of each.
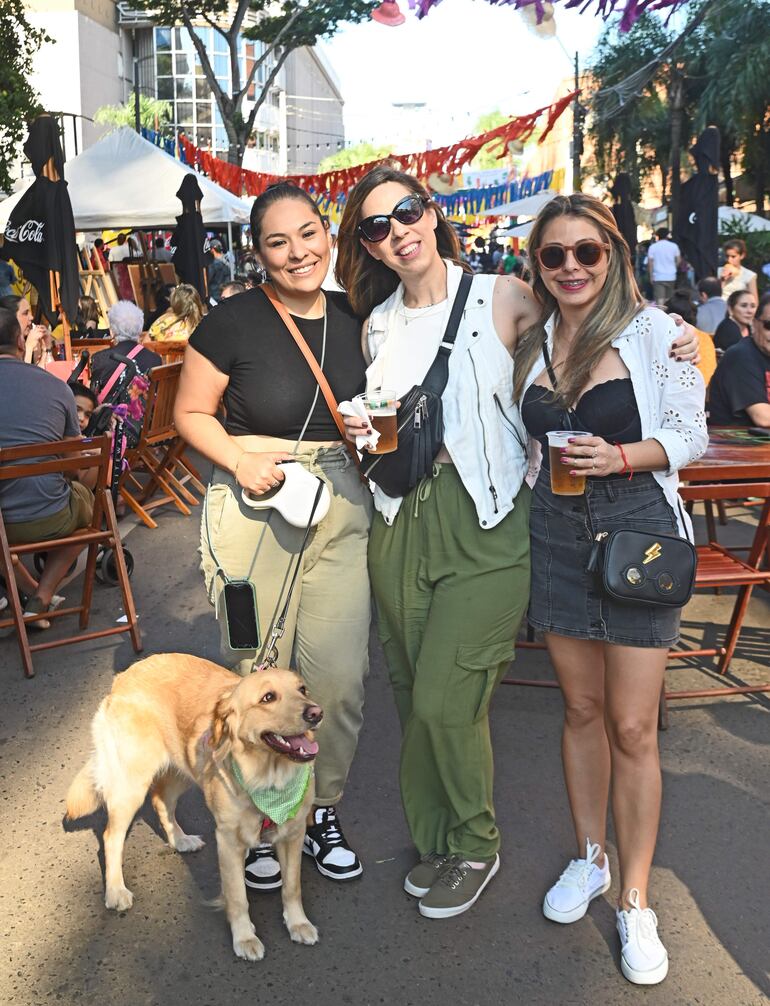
(620, 299)
(737, 245)
(366, 280)
(274, 194)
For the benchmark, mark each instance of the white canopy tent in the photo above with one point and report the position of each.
(124, 181)
(728, 214)
(528, 207)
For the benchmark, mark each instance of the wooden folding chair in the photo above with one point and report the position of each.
(159, 454)
(64, 457)
(170, 350)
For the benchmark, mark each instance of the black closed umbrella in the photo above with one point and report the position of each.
(696, 229)
(189, 238)
(40, 233)
(623, 209)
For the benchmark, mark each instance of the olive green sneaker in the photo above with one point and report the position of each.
(457, 889)
(421, 877)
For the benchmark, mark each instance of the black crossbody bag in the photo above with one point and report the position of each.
(639, 567)
(419, 418)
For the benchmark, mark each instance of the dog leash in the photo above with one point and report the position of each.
(270, 651)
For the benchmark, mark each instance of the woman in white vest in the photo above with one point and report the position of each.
(450, 562)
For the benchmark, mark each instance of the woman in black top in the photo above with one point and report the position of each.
(243, 353)
(741, 308)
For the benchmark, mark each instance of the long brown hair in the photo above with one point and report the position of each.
(619, 302)
(366, 280)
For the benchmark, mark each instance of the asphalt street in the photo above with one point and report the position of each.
(710, 882)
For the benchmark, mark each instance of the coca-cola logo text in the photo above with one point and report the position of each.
(30, 230)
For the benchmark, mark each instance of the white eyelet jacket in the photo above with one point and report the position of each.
(669, 395)
(483, 431)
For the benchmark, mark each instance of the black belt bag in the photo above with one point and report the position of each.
(644, 568)
(419, 418)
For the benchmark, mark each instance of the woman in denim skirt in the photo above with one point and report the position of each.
(599, 362)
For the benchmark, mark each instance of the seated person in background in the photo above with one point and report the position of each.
(712, 308)
(120, 251)
(741, 306)
(161, 253)
(182, 318)
(126, 321)
(85, 403)
(230, 289)
(682, 304)
(739, 394)
(734, 275)
(88, 323)
(36, 407)
(218, 271)
(7, 279)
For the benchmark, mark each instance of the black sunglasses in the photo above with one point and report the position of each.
(587, 252)
(407, 211)
(764, 322)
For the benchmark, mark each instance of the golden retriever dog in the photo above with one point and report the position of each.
(173, 719)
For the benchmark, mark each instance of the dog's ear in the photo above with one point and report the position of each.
(221, 733)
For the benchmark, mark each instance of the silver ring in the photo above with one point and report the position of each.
(596, 451)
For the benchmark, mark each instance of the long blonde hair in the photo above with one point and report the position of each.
(366, 280)
(186, 304)
(619, 302)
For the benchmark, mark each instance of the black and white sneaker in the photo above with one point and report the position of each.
(263, 871)
(325, 842)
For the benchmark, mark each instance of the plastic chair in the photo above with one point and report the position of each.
(67, 457)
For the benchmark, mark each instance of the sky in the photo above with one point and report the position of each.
(467, 57)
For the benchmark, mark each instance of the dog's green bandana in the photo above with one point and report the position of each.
(279, 805)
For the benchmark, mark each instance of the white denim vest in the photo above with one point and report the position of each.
(483, 431)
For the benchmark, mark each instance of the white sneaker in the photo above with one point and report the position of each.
(581, 882)
(643, 958)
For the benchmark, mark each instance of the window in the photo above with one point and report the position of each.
(184, 111)
(165, 88)
(184, 87)
(202, 89)
(182, 61)
(221, 66)
(203, 111)
(275, 99)
(162, 39)
(178, 32)
(163, 65)
(203, 134)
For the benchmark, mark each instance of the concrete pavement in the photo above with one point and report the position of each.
(710, 882)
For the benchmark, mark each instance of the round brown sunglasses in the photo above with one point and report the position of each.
(587, 252)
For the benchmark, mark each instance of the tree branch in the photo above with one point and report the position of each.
(261, 100)
(222, 100)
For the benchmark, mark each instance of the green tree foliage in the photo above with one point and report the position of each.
(19, 42)
(351, 157)
(282, 26)
(717, 75)
(489, 156)
(153, 114)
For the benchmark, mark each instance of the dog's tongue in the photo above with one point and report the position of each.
(301, 741)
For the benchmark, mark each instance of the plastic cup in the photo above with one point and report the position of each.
(380, 405)
(562, 483)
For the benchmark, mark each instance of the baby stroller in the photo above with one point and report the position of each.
(120, 409)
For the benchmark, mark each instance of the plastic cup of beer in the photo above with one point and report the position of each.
(562, 483)
(380, 405)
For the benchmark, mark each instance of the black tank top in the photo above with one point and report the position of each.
(271, 385)
(607, 410)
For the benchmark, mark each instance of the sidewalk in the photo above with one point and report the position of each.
(709, 887)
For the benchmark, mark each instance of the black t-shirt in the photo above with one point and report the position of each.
(727, 334)
(742, 378)
(271, 386)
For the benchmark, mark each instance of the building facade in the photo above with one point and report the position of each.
(313, 110)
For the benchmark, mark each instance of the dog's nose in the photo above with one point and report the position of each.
(313, 715)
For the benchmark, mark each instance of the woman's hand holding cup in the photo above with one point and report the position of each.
(356, 427)
(259, 472)
(592, 456)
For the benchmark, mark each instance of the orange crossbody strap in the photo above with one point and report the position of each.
(323, 384)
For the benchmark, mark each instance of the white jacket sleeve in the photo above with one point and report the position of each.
(681, 397)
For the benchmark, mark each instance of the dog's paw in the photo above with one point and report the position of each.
(188, 843)
(304, 932)
(250, 949)
(119, 898)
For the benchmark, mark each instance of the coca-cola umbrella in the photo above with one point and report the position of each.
(40, 233)
(189, 238)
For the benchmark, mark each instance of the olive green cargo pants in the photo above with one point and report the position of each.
(327, 627)
(450, 597)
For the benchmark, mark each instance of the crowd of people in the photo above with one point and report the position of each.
(476, 543)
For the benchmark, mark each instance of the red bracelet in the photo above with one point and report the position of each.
(626, 466)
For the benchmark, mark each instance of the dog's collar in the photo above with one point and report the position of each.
(279, 805)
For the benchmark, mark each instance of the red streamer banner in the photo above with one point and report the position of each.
(336, 184)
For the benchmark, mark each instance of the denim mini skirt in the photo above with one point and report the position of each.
(568, 600)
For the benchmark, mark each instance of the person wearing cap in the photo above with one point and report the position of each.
(218, 271)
